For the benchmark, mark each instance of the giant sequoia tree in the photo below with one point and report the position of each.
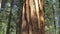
(32, 14)
(27, 17)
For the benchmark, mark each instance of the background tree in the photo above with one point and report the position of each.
(9, 20)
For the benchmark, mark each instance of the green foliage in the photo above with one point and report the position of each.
(4, 15)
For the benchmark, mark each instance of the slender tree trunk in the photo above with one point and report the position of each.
(0, 3)
(59, 17)
(9, 20)
(59, 3)
(3, 3)
(54, 18)
(8, 26)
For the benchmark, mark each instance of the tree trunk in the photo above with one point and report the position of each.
(54, 18)
(3, 3)
(32, 15)
(0, 3)
(59, 17)
(9, 20)
(36, 16)
(59, 3)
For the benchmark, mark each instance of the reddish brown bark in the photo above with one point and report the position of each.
(33, 17)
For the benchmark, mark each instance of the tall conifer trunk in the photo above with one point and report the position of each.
(33, 14)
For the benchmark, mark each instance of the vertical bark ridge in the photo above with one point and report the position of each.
(37, 11)
(34, 17)
(41, 12)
